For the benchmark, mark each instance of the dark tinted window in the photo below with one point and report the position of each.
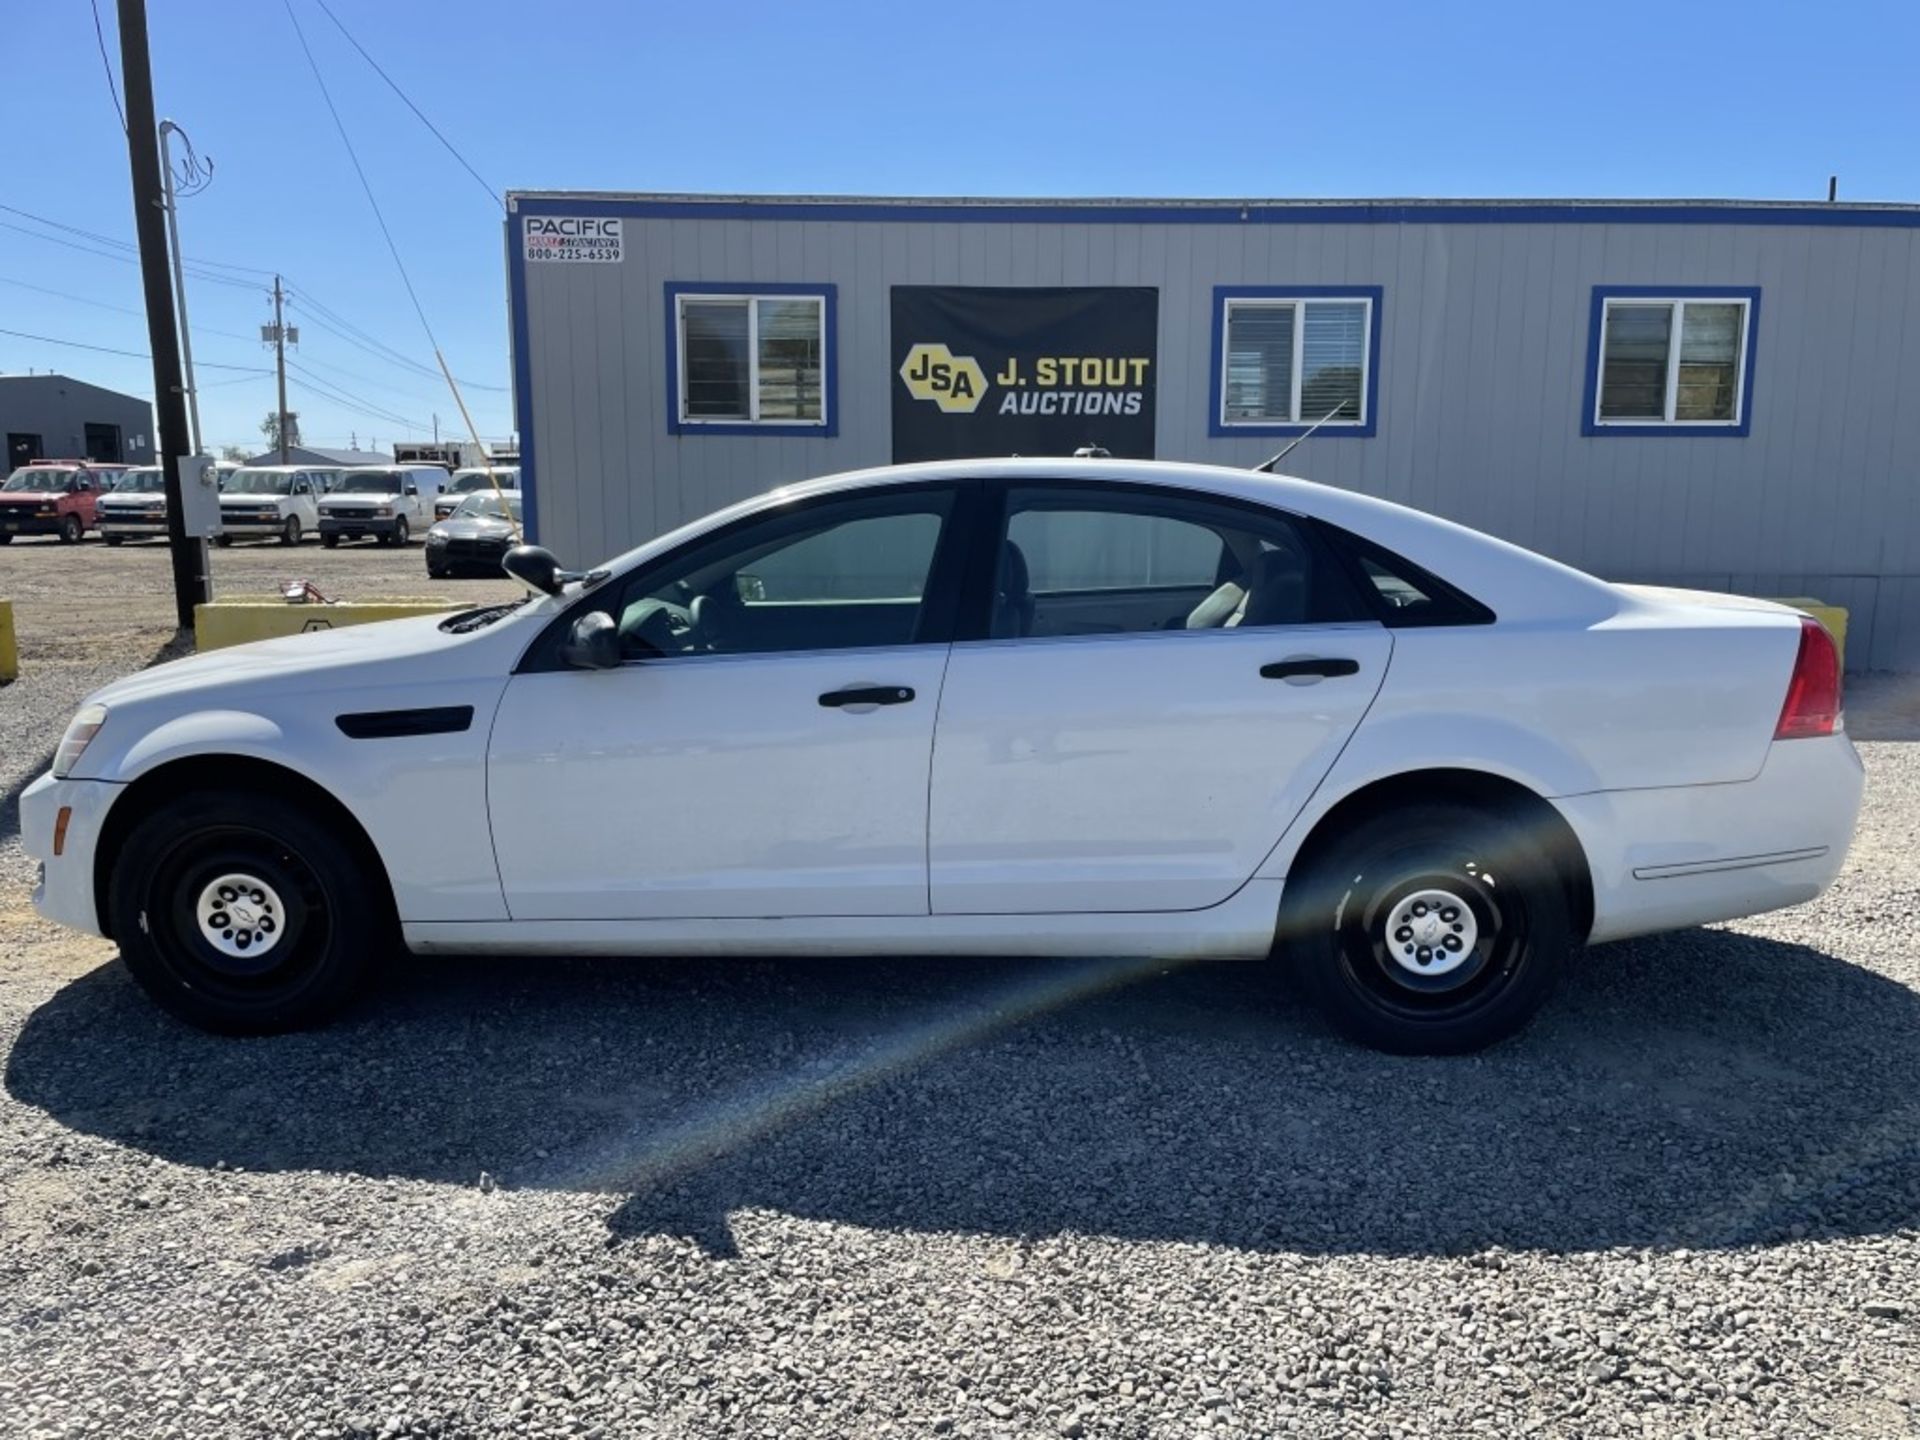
(1399, 591)
(1091, 561)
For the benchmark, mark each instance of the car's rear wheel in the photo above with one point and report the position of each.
(1431, 930)
(71, 529)
(330, 542)
(244, 914)
(290, 532)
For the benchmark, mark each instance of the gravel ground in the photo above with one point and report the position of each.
(996, 1199)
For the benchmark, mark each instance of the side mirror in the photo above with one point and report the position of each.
(593, 643)
(533, 565)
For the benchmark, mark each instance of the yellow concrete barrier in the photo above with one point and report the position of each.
(9, 647)
(1834, 617)
(244, 619)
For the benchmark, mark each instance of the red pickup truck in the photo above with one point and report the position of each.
(54, 497)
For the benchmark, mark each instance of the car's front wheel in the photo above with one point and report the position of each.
(1436, 929)
(71, 529)
(290, 532)
(244, 914)
(401, 535)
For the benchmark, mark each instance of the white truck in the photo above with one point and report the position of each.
(479, 478)
(389, 502)
(136, 507)
(271, 500)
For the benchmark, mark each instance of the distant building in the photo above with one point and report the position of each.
(55, 417)
(310, 455)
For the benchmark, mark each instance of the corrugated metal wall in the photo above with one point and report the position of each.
(1483, 361)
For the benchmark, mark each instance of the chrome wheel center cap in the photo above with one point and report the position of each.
(240, 915)
(1430, 932)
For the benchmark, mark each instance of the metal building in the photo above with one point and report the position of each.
(1706, 394)
(55, 417)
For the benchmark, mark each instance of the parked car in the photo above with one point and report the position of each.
(270, 500)
(1112, 708)
(54, 497)
(468, 482)
(388, 502)
(135, 508)
(475, 538)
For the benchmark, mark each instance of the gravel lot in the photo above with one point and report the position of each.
(998, 1199)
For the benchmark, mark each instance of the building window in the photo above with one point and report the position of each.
(750, 359)
(1288, 359)
(1670, 362)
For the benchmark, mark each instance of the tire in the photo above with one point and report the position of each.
(330, 542)
(303, 944)
(71, 529)
(290, 532)
(1468, 890)
(113, 540)
(401, 535)
(438, 572)
(6, 539)
(223, 541)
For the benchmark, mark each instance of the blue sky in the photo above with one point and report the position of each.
(1755, 100)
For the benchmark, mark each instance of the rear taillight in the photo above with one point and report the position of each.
(1813, 694)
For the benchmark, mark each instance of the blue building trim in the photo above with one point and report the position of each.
(830, 360)
(1216, 381)
(1352, 212)
(1589, 423)
(522, 380)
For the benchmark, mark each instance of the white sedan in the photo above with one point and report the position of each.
(1026, 707)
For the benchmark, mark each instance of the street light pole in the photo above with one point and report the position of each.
(167, 130)
(190, 586)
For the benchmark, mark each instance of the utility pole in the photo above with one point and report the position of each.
(280, 367)
(167, 130)
(190, 586)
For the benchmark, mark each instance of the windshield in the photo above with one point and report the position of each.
(139, 480)
(369, 482)
(39, 477)
(258, 482)
(470, 480)
(491, 507)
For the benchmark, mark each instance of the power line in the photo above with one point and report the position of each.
(118, 309)
(492, 194)
(363, 379)
(192, 267)
(313, 387)
(347, 396)
(100, 36)
(132, 354)
(97, 237)
(342, 329)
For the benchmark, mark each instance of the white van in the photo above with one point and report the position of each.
(276, 500)
(388, 502)
(466, 481)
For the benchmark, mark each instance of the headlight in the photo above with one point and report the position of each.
(79, 735)
(383, 511)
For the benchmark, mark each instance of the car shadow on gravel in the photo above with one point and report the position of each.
(1708, 1088)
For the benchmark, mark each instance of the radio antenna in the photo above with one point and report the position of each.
(1268, 465)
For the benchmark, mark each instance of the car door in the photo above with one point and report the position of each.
(763, 748)
(1161, 681)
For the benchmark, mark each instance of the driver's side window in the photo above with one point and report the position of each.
(841, 574)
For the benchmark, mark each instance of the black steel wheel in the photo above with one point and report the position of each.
(245, 915)
(71, 528)
(1437, 929)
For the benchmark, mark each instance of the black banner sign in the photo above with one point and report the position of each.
(985, 370)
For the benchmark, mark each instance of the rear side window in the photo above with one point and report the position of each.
(1398, 591)
(1082, 560)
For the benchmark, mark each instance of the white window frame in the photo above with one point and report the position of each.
(1297, 304)
(752, 302)
(1670, 404)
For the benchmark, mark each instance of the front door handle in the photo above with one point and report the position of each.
(867, 695)
(1317, 666)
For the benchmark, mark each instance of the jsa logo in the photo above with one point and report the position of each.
(955, 383)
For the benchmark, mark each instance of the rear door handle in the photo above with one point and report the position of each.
(867, 695)
(1320, 666)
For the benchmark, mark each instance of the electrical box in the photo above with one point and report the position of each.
(199, 496)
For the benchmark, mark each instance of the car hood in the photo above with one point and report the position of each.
(386, 651)
(30, 497)
(132, 497)
(361, 501)
(244, 501)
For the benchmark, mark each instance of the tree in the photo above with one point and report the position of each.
(233, 452)
(270, 427)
